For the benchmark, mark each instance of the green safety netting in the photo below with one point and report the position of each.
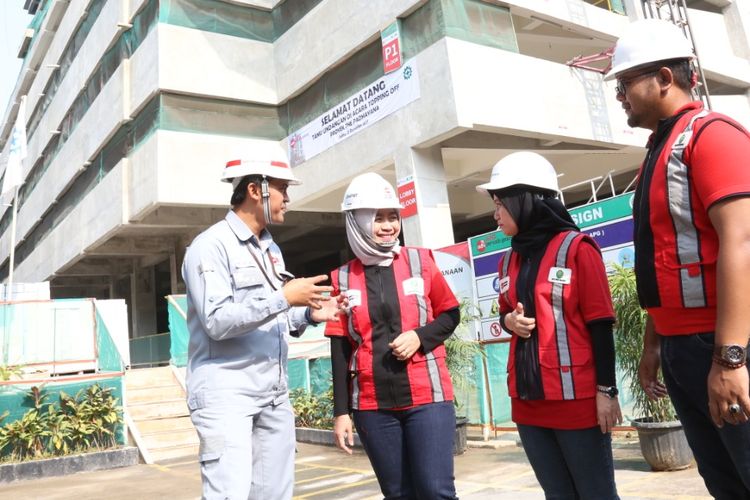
(67, 57)
(108, 357)
(179, 334)
(150, 350)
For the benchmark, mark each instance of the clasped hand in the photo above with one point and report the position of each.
(405, 345)
(518, 323)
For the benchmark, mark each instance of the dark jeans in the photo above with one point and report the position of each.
(411, 450)
(723, 455)
(571, 464)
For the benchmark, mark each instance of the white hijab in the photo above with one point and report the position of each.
(359, 225)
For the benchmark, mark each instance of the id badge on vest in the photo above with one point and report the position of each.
(413, 286)
(560, 275)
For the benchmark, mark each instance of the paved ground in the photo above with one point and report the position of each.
(325, 473)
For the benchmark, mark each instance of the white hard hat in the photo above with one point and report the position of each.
(648, 41)
(521, 169)
(370, 190)
(273, 164)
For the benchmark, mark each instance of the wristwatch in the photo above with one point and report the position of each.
(730, 356)
(612, 392)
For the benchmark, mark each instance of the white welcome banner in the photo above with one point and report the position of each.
(376, 101)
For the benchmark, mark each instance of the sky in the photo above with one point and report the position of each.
(13, 21)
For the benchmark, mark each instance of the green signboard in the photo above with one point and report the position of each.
(593, 214)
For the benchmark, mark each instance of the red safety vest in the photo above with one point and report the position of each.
(676, 269)
(565, 354)
(428, 377)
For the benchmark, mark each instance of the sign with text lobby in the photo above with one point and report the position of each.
(371, 104)
(609, 222)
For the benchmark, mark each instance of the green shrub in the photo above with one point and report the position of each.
(81, 423)
(310, 410)
(629, 328)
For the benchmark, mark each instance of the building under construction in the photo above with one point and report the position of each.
(133, 107)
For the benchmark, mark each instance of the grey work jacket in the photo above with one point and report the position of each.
(239, 324)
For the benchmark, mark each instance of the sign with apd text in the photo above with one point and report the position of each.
(371, 104)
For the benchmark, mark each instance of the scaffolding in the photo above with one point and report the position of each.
(675, 11)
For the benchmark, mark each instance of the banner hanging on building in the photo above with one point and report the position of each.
(371, 104)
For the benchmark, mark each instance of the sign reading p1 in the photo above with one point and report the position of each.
(390, 40)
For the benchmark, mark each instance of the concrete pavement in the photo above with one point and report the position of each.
(325, 473)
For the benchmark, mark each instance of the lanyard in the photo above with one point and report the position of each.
(284, 277)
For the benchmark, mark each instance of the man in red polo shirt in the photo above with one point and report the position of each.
(692, 237)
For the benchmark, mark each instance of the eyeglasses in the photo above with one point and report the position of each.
(623, 84)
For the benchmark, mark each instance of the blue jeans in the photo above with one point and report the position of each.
(571, 464)
(411, 451)
(723, 455)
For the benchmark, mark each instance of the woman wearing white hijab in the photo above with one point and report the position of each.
(387, 352)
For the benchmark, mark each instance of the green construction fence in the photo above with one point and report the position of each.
(18, 319)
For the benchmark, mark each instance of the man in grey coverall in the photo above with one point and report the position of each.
(242, 305)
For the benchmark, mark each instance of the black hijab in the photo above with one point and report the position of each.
(539, 217)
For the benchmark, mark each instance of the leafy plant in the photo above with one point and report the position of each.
(460, 353)
(629, 328)
(88, 420)
(311, 410)
(7, 372)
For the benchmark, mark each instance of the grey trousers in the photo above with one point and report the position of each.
(246, 454)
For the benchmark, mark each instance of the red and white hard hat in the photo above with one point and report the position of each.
(274, 165)
(648, 41)
(370, 190)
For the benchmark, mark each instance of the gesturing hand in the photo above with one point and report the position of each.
(518, 323)
(306, 291)
(329, 311)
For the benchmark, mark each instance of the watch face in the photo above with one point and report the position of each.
(612, 392)
(734, 353)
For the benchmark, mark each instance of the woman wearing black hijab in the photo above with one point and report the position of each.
(555, 300)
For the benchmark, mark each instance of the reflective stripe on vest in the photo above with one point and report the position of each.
(561, 329)
(433, 370)
(344, 286)
(506, 266)
(681, 212)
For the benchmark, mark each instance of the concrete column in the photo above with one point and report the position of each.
(737, 19)
(143, 300)
(432, 226)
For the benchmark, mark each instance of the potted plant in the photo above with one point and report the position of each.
(460, 355)
(662, 440)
